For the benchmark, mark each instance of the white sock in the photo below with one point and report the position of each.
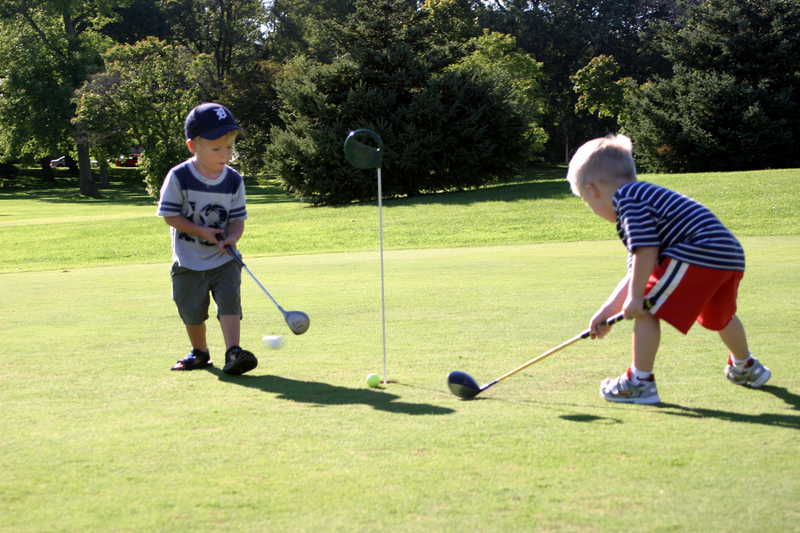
(739, 364)
(637, 376)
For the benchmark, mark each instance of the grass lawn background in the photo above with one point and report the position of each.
(98, 435)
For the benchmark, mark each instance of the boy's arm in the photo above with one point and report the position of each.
(645, 260)
(235, 231)
(612, 306)
(181, 223)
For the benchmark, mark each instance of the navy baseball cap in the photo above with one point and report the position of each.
(210, 121)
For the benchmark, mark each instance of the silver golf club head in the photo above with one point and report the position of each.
(298, 321)
(462, 385)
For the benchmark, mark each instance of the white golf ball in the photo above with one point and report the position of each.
(274, 342)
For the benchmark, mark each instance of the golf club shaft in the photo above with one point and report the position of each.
(263, 289)
(609, 322)
(238, 258)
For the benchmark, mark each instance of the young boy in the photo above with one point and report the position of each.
(683, 265)
(203, 200)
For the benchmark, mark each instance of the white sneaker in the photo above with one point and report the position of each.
(754, 373)
(622, 390)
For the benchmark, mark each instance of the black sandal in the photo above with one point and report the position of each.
(196, 359)
(238, 361)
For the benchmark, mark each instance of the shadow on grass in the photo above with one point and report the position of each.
(764, 419)
(128, 188)
(591, 419)
(535, 183)
(320, 394)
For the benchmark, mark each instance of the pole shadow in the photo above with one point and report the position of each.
(591, 419)
(766, 419)
(321, 394)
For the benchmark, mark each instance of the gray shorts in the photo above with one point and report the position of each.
(191, 290)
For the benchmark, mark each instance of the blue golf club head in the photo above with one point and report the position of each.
(462, 385)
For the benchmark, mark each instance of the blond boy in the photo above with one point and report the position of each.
(684, 266)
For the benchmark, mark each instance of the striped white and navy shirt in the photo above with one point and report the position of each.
(681, 228)
(212, 203)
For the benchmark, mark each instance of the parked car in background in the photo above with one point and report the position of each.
(130, 160)
(62, 162)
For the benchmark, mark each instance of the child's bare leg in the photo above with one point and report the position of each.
(646, 338)
(735, 339)
(197, 337)
(231, 329)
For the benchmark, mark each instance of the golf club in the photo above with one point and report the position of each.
(363, 156)
(297, 321)
(464, 386)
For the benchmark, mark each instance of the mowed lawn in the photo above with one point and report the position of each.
(98, 435)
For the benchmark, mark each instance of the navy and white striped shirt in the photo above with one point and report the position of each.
(681, 228)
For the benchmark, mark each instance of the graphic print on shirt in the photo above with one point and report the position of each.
(210, 216)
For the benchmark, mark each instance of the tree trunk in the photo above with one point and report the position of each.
(47, 172)
(104, 181)
(88, 186)
(566, 148)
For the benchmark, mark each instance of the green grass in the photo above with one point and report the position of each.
(97, 434)
(49, 229)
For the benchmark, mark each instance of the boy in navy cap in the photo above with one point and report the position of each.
(203, 201)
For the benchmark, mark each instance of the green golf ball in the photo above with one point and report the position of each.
(373, 380)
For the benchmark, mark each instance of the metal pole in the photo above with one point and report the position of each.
(383, 294)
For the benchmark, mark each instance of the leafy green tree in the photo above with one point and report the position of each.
(230, 31)
(702, 121)
(143, 97)
(452, 20)
(251, 96)
(498, 54)
(305, 28)
(138, 21)
(600, 90)
(443, 129)
(49, 48)
(755, 41)
(732, 101)
(564, 36)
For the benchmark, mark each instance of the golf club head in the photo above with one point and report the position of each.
(298, 321)
(462, 385)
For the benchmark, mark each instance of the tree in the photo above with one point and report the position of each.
(732, 100)
(702, 121)
(498, 54)
(143, 97)
(564, 36)
(227, 30)
(49, 48)
(600, 90)
(250, 95)
(444, 129)
(305, 28)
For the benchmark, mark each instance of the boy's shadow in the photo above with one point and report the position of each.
(319, 394)
(766, 419)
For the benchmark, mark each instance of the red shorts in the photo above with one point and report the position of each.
(682, 293)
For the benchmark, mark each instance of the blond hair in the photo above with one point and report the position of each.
(605, 159)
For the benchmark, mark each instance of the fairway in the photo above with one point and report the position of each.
(98, 435)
